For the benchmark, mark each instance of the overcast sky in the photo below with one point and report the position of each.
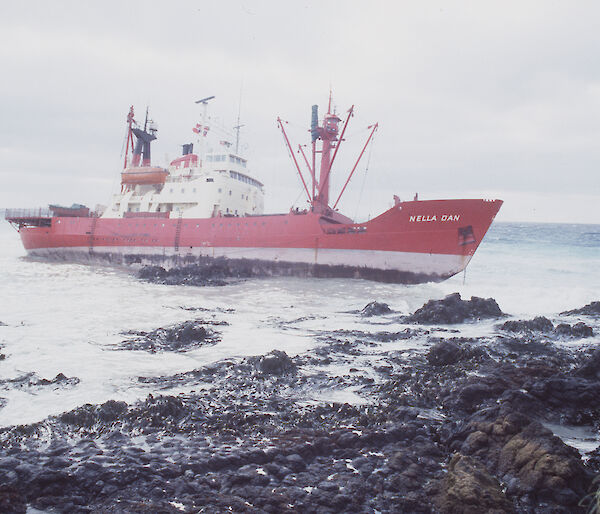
(474, 99)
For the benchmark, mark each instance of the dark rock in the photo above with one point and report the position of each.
(474, 442)
(152, 273)
(582, 330)
(538, 324)
(578, 330)
(207, 272)
(295, 463)
(32, 380)
(178, 338)
(375, 309)
(563, 329)
(111, 410)
(591, 367)
(544, 465)
(59, 379)
(452, 309)
(468, 488)
(276, 362)
(591, 309)
(567, 391)
(11, 500)
(444, 353)
(536, 465)
(84, 416)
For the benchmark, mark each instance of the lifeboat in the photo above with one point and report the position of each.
(144, 175)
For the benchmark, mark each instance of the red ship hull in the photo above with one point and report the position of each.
(412, 242)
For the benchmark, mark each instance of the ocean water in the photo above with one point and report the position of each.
(69, 318)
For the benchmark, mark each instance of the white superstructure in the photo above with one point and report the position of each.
(219, 185)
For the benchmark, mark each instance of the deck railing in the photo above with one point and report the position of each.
(40, 212)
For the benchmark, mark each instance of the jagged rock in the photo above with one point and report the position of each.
(444, 353)
(469, 489)
(111, 410)
(58, 379)
(32, 380)
(375, 309)
(567, 391)
(582, 330)
(591, 309)
(207, 272)
(529, 458)
(538, 324)
(276, 362)
(12, 501)
(577, 330)
(591, 367)
(152, 273)
(179, 338)
(84, 416)
(453, 309)
(544, 465)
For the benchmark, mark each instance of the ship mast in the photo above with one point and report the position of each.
(204, 102)
(129, 140)
(238, 126)
(327, 133)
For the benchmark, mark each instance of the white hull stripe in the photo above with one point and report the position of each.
(411, 262)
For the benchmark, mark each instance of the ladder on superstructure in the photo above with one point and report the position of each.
(178, 231)
(92, 234)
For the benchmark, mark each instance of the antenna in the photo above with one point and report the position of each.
(204, 102)
(238, 126)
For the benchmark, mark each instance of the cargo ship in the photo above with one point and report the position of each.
(208, 205)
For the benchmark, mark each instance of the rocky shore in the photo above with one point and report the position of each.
(465, 424)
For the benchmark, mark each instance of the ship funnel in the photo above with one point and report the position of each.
(188, 149)
(314, 123)
(142, 147)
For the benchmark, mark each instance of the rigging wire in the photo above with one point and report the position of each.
(362, 187)
(298, 197)
(288, 151)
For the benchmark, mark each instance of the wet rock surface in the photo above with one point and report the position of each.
(591, 309)
(375, 309)
(460, 426)
(179, 338)
(274, 363)
(208, 274)
(544, 325)
(31, 380)
(453, 309)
